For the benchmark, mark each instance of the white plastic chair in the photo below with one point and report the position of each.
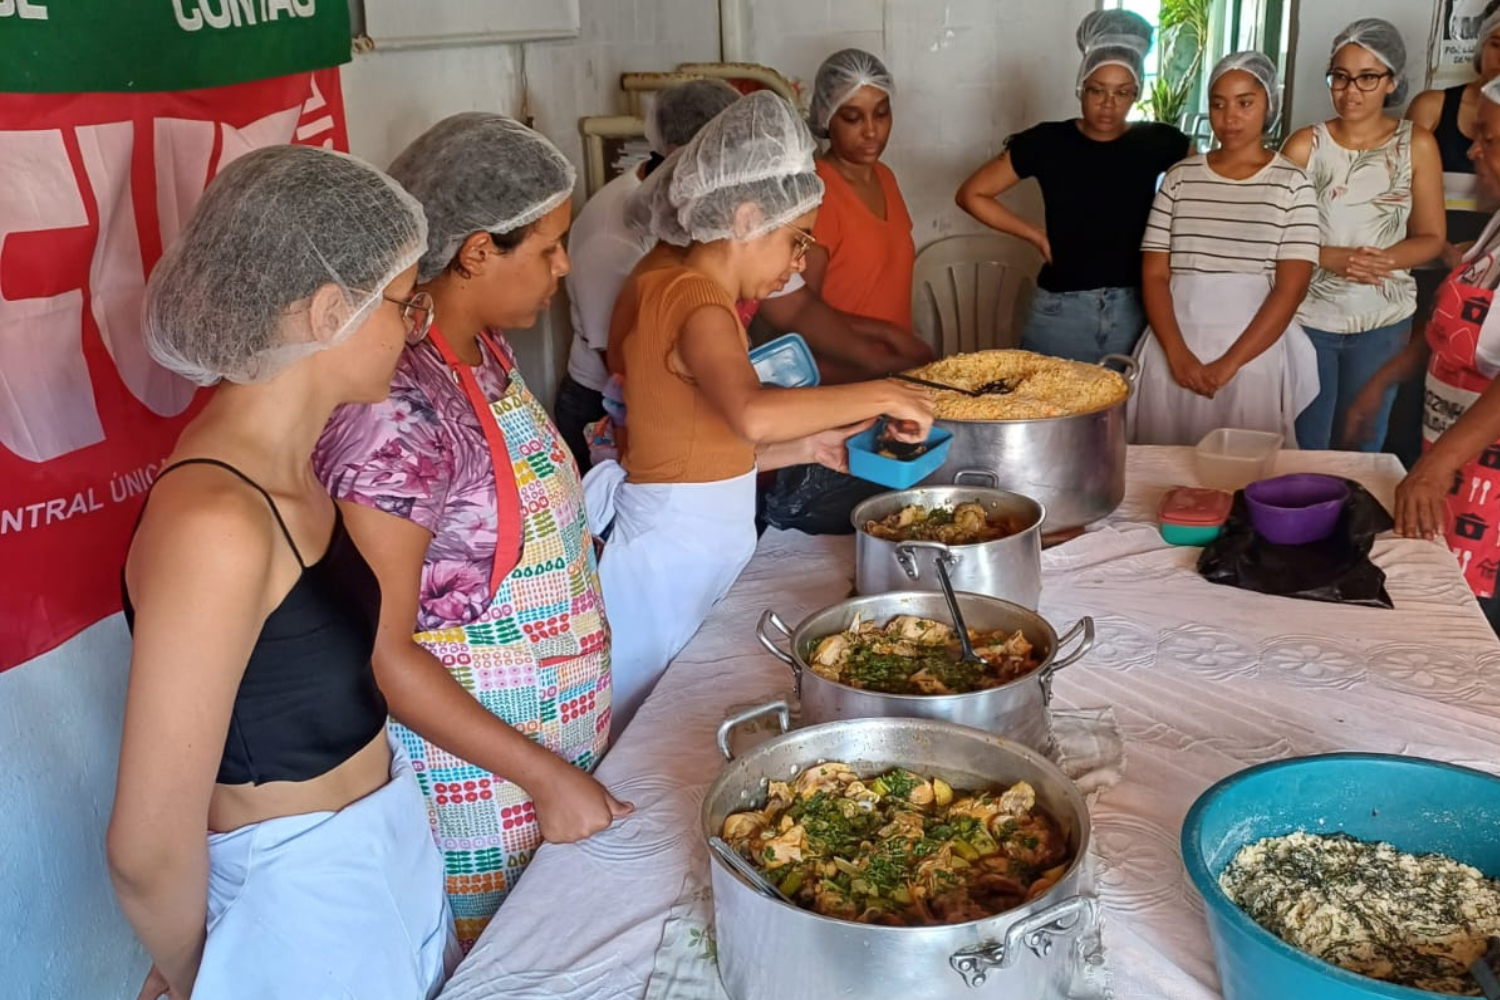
(971, 293)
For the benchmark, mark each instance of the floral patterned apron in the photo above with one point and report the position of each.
(538, 657)
(1471, 516)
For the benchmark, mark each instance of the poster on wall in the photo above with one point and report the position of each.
(97, 184)
(1455, 36)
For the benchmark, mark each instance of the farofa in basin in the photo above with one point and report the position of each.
(1044, 387)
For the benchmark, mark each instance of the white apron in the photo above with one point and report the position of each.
(1266, 395)
(346, 905)
(673, 551)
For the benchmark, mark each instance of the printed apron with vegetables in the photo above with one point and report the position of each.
(538, 657)
(1471, 516)
(1265, 395)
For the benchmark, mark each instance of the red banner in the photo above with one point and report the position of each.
(92, 187)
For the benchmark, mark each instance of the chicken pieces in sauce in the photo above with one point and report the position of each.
(911, 655)
(900, 849)
(964, 524)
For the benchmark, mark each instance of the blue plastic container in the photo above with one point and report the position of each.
(786, 361)
(865, 463)
(1418, 805)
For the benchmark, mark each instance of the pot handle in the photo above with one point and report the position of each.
(1083, 627)
(1132, 367)
(780, 709)
(1035, 933)
(769, 620)
(906, 556)
(986, 477)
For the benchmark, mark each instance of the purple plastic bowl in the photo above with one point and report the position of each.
(1296, 509)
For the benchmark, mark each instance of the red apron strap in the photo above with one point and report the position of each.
(509, 530)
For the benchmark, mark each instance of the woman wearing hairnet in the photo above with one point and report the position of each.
(861, 266)
(493, 648)
(1452, 116)
(1229, 251)
(1098, 173)
(1453, 489)
(1379, 181)
(253, 711)
(679, 506)
(604, 250)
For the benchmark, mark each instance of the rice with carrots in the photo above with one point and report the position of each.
(1043, 387)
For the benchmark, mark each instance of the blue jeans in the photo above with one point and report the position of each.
(1085, 326)
(1346, 363)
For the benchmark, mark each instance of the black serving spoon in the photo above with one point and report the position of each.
(901, 451)
(999, 387)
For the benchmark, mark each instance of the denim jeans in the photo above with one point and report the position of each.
(1085, 326)
(575, 407)
(1346, 363)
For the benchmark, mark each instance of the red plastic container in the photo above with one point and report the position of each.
(1191, 515)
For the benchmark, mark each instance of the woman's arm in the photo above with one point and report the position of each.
(1420, 496)
(977, 197)
(1427, 227)
(198, 575)
(1359, 423)
(1187, 368)
(709, 351)
(1271, 321)
(1299, 148)
(868, 347)
(828, 449)
(424, 696)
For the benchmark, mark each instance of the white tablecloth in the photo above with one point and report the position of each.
(1203, 680)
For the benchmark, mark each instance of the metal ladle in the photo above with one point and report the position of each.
(969, 656)
(745, 869)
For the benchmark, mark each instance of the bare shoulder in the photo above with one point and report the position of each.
(1426, 108)
(1423, 142)
(1298, 146)
(203, 521)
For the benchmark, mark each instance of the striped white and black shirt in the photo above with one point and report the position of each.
(1213, 225)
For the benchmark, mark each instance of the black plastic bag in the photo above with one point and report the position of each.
(816, 500)
(1337, 570)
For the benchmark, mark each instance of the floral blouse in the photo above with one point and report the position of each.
(422, 455)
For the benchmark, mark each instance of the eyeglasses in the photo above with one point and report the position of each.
(805, 241)
(1364, 82)
(417, 313)
(1100, 95)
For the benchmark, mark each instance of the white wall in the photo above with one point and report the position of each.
(1320, 21)
(60, 720)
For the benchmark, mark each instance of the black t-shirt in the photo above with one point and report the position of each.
(1097, 197)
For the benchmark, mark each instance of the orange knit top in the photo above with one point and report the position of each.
(870, 259)
(675, 434)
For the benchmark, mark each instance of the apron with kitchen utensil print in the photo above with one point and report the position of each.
(538, 657)
(1471, 515)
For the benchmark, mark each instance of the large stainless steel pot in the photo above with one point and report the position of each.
(1009, 568)
(774, 950)
(1073, 466)
(1017, 711)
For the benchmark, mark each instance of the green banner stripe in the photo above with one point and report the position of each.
(89, 46)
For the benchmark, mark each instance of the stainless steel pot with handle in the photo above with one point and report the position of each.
(1074, 466)
(773, 950)
(1009, 568)
(1017, 711)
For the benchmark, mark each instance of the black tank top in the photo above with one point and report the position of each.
(1453, 146)
(308, 700)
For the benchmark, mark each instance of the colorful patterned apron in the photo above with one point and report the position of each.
(538, 657)
(1471, 518)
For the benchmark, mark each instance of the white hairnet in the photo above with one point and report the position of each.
(757, 152)
(1114, 38)
(480, 172)
(840, 78)
(1487, 27)
(1258, 65)
(679, 111)
(1384, 42)
(275, 226)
